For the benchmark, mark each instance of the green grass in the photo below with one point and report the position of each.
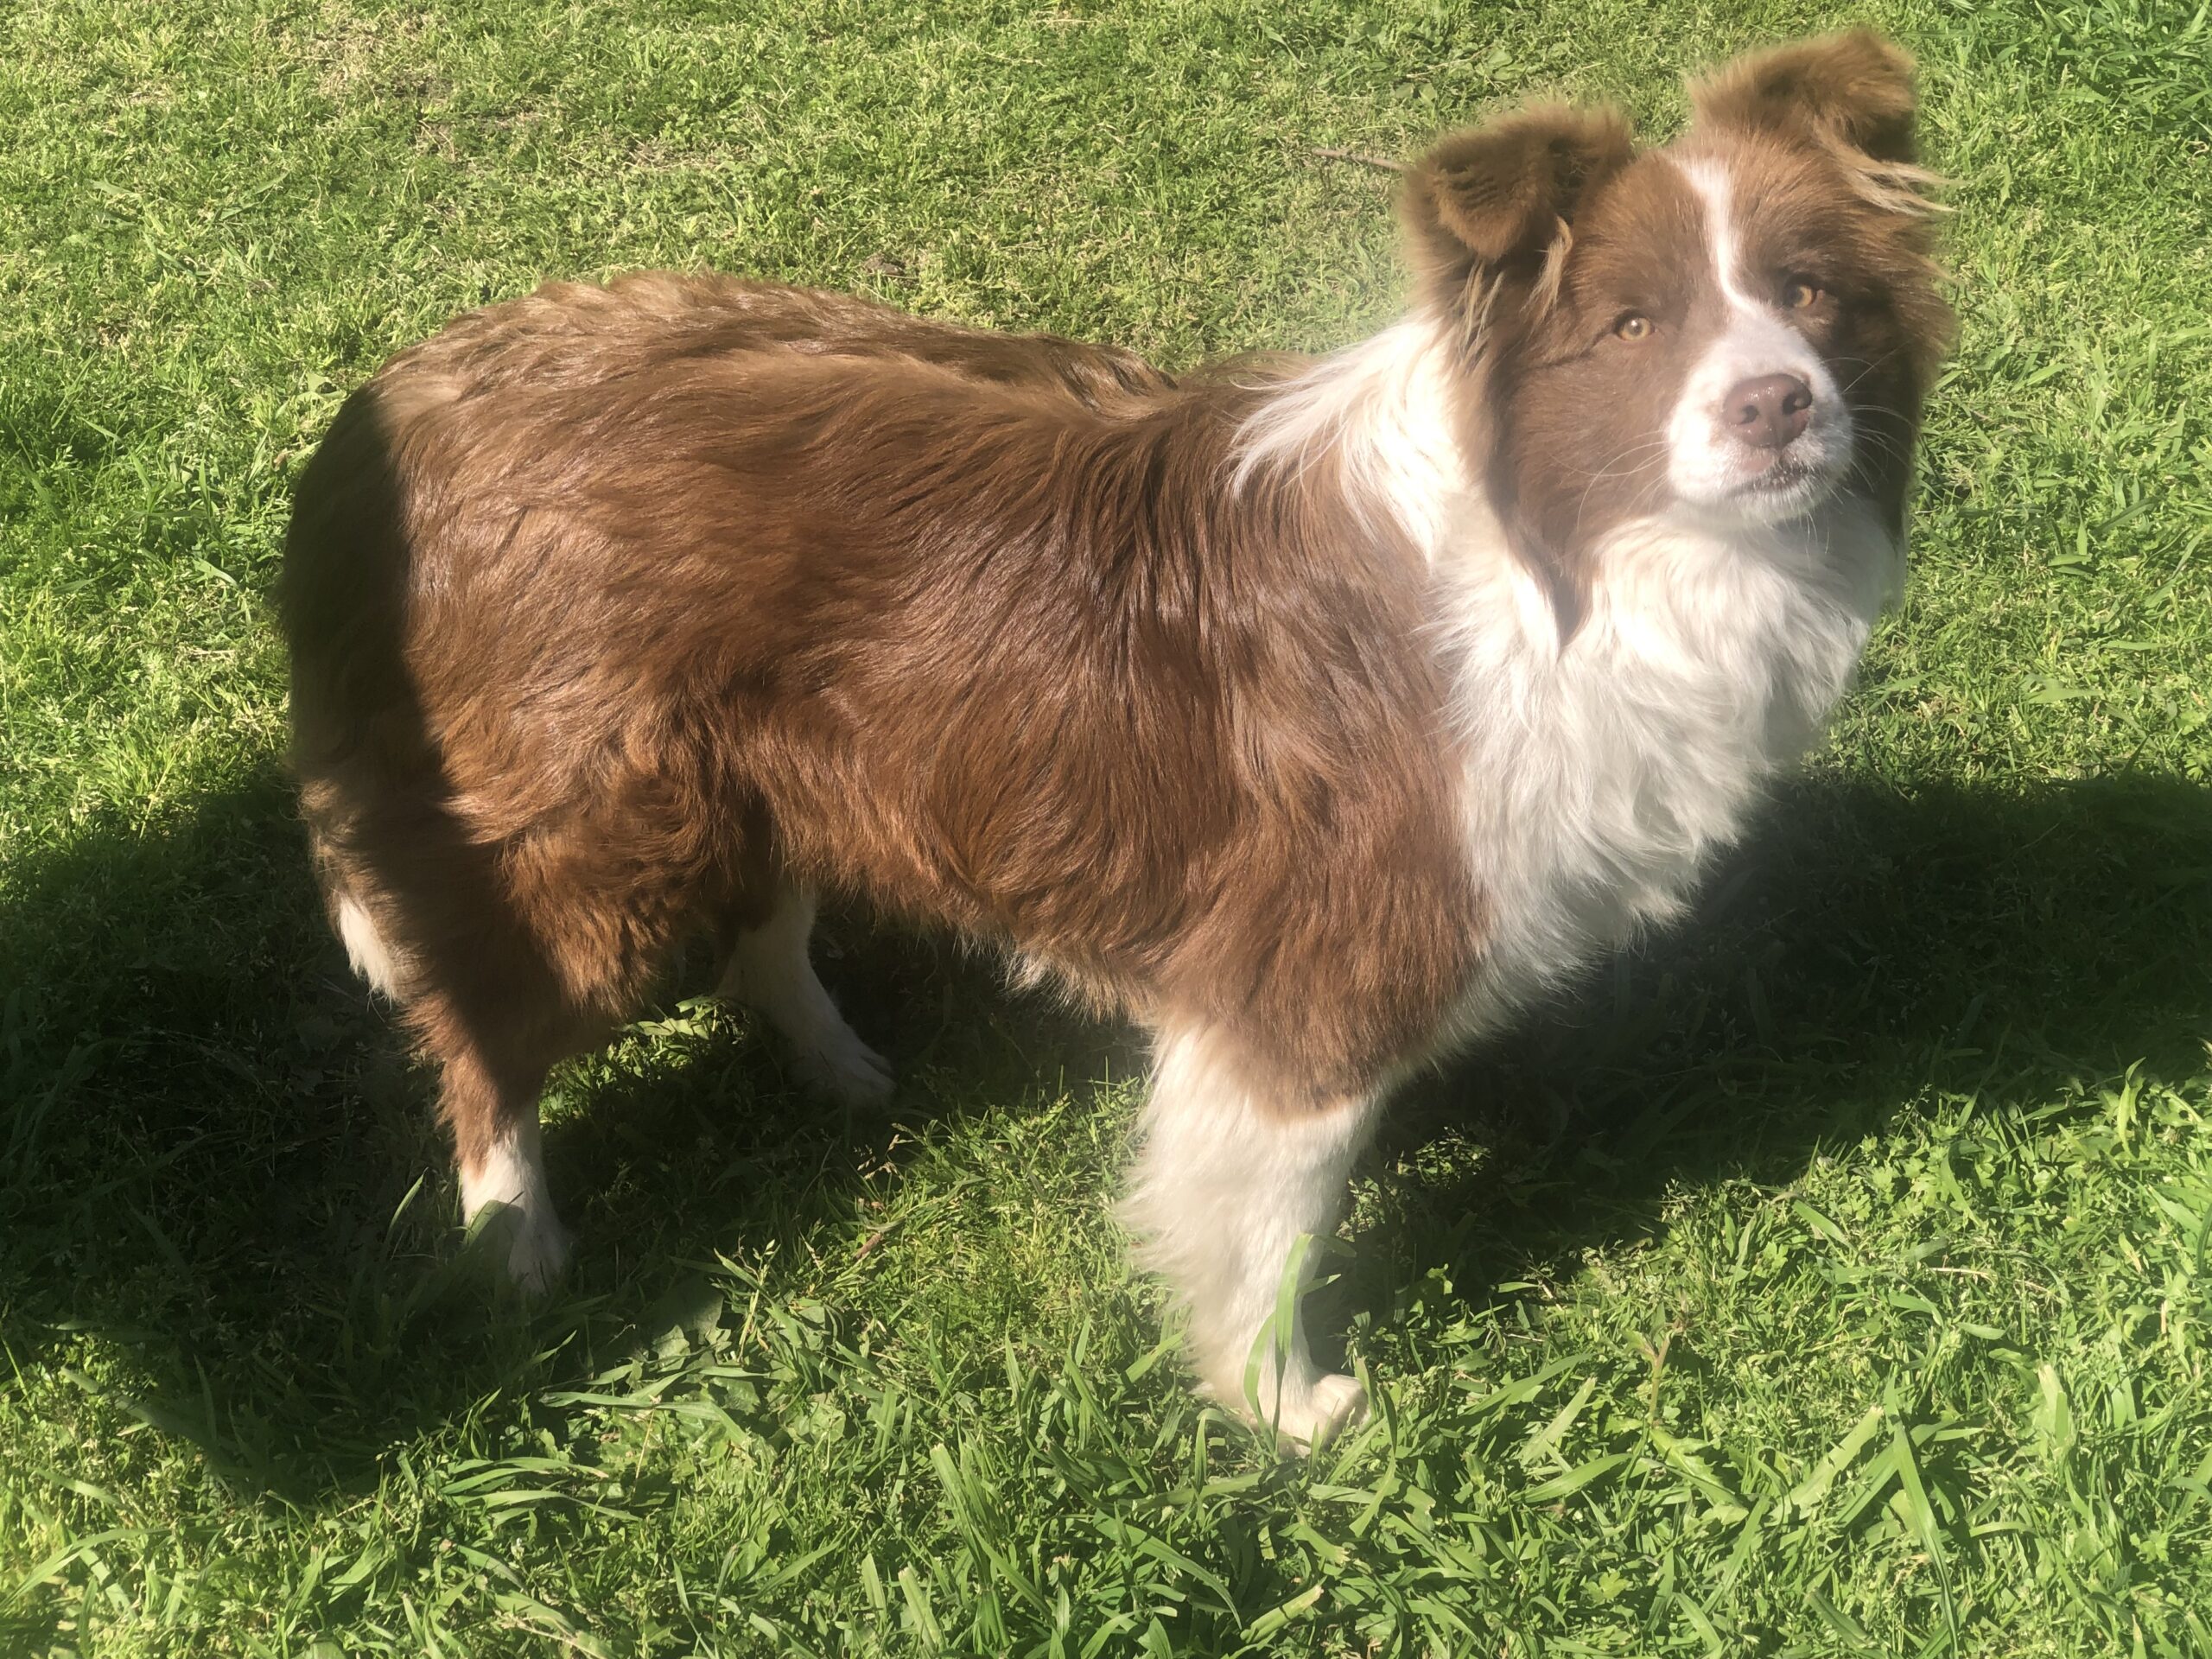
(1831, 1278)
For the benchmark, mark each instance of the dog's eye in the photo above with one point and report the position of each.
(1634, 326)
(1800, 294)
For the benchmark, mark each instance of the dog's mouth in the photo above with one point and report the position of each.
(1784, 483)
(1773, 474)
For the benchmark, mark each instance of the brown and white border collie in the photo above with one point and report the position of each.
(1316, 717)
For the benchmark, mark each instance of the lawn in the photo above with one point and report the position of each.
(1829, 1277)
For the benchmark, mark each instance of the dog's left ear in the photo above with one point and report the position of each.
(1853, 89)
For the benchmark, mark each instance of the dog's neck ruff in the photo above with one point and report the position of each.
(1605, 767)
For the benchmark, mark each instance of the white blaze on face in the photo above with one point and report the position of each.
(1708, 466)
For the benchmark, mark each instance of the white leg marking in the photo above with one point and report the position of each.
(1223, 1189)
(769, 971)
(513, 1175)
(372, 958)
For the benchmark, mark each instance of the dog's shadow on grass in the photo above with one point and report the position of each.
(225, 1200)
(1868, 945)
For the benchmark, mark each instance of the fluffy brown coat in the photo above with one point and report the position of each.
(615, 608)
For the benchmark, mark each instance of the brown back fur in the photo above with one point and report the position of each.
(610, 608)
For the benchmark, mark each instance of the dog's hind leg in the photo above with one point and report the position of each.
(493, 1110)
(496, 1028)
(429, 918)
(1226, 1182)
(770, 972)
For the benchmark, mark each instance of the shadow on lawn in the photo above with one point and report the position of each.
(1866, 946)
(217, 1156)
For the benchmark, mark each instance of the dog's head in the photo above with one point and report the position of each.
(1732, 329)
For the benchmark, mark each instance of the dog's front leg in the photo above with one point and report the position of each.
(1226, 1182)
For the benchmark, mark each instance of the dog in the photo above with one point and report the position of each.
(1318, 717)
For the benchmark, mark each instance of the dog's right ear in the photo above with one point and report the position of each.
(1492, 201)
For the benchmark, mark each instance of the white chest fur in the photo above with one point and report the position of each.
(1603, 775)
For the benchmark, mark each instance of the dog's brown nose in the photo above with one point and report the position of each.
(1766, 413)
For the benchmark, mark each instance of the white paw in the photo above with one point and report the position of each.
(1318, 1413)
(847, 1069)
(538, 1247)
(539, 1255)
